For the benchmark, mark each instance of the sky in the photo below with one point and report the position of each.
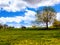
(19, 13)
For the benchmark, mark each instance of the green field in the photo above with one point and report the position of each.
(29, 37)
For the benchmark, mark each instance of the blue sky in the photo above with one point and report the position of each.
(22, 12)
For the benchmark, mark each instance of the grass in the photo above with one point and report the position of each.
(29, 37)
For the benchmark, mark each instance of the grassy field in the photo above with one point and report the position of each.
(29, 37)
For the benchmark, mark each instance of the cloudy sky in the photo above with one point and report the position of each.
(21, 12)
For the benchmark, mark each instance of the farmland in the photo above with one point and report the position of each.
(29, 37)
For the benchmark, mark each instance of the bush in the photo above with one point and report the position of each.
(56, 24)
(23, 27)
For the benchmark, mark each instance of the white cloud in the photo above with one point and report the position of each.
(38, 3)
(49, 3)
(29, 16)
(58, 16)
(33, 1)
(18, 5)
(12, 5)
(10, 19)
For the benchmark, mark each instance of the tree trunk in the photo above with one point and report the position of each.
(46, 25)
(47, 21)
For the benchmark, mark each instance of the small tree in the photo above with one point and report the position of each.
(23, 27)
(5, 26)
(1, 26)
(56, 24)
(47, 15)
(33, 26)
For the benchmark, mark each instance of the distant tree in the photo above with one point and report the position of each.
(1, 26)
(5, 26)
(56, 24)
(33, 26)
(47, 15)
(23, 27)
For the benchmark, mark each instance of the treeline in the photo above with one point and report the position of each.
(55, 25)
(5, 26)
